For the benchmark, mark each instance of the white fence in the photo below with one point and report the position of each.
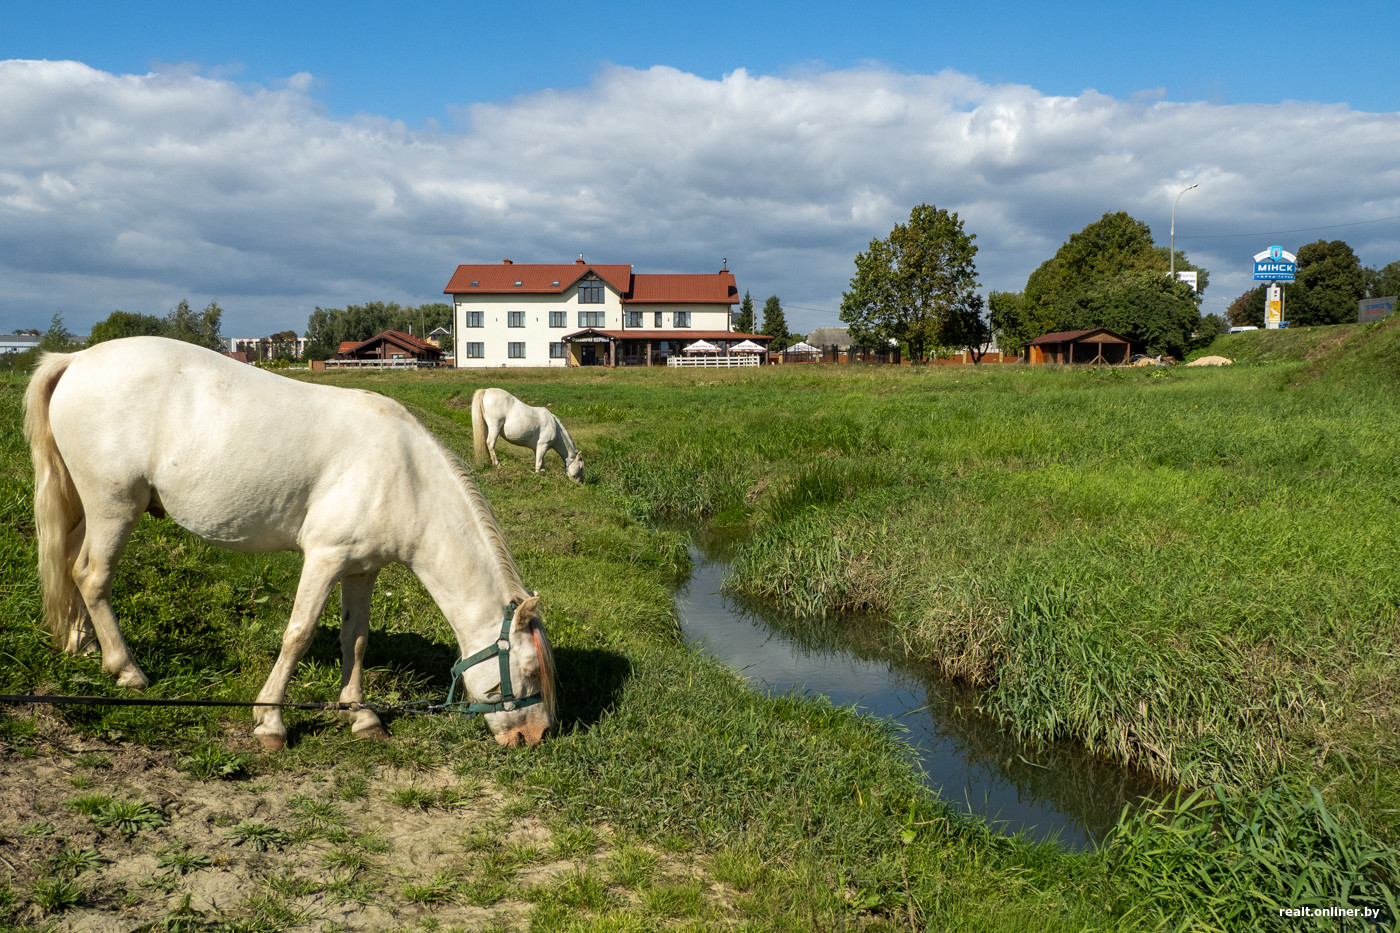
(708, 359)
(381, 364)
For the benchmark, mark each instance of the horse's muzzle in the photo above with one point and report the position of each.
(529, 734)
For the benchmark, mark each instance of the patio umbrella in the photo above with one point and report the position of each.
(748, 346)
(802, 347)
(702, 346)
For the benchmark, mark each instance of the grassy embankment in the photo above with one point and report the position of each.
(1190, 569)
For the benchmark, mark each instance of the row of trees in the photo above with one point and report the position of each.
(328, 328)
(1330, 281)
(919, 287)
(182, 323)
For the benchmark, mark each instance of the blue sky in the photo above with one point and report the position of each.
(412, 61)
(781, 137)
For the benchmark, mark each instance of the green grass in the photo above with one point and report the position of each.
(1192, 569)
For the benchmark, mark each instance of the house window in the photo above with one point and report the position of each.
(556, 351)
(516, 350)
(590, 319)
(475, 351)
(473, 318)
(682, 318)
(590, 293)
(558, 319)
(517, 319)
(634, 319)
(656, 319)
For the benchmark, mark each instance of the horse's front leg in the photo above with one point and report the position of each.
(318, 574)
(541, 449)
(355, 591)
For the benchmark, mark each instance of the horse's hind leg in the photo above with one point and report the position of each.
(318, 573)
(493, 433)
(81, 638)
(355, 591)
(104, 536)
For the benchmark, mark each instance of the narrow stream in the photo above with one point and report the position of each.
(1057, 792)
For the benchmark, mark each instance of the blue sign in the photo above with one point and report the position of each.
(1275, 264)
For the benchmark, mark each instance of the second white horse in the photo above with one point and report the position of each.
(496, 414)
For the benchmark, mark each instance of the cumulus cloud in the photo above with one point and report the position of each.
(134, 191)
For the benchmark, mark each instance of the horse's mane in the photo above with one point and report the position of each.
(491, 532)
(485, 522)
(568, 438)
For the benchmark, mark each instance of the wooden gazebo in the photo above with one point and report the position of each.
(1093, 347)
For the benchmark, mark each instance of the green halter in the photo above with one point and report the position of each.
(501, 650)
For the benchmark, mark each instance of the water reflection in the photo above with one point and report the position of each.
(1051, 792)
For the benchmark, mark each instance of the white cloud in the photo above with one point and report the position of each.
(134, 191)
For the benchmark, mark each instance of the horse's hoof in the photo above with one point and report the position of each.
(133, 680)
(373, 733)
(272, 743)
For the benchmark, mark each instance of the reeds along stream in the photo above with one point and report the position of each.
(1054, 792)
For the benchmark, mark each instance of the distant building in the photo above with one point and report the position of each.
(391, 348)
(582, 314)
(1099, 346)
(251, 345)
(838, 337)
(18, 343)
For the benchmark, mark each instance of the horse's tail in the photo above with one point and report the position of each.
(479, 425)
(58, 512)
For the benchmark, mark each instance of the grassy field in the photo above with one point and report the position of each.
(1191, 569)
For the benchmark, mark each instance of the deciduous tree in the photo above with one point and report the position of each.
(1248, 309)
(1111, 274)
(968, 329)
(120, 324)
(1383, 282)
(1329, 284)
(911, 285)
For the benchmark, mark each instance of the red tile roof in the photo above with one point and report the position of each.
(550, 279)
(553, 279)
(412, 344)
(688, 289)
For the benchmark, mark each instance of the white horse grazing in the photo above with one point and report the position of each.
(496, 413)
(348, 478)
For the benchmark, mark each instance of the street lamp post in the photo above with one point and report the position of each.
(1172, 247)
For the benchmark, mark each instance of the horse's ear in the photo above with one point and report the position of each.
(525, 611)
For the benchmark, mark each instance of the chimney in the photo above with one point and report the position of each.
(579, 261)
(507, 262)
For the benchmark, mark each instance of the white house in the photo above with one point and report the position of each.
(582, 314)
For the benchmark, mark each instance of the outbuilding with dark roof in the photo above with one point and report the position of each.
(1100, 346)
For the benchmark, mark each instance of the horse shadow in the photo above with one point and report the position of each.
(589, 680)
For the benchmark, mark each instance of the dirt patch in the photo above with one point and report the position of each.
(103, 838)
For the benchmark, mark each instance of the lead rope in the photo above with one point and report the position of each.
(499, 650)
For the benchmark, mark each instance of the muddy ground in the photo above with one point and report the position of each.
(392, 850)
